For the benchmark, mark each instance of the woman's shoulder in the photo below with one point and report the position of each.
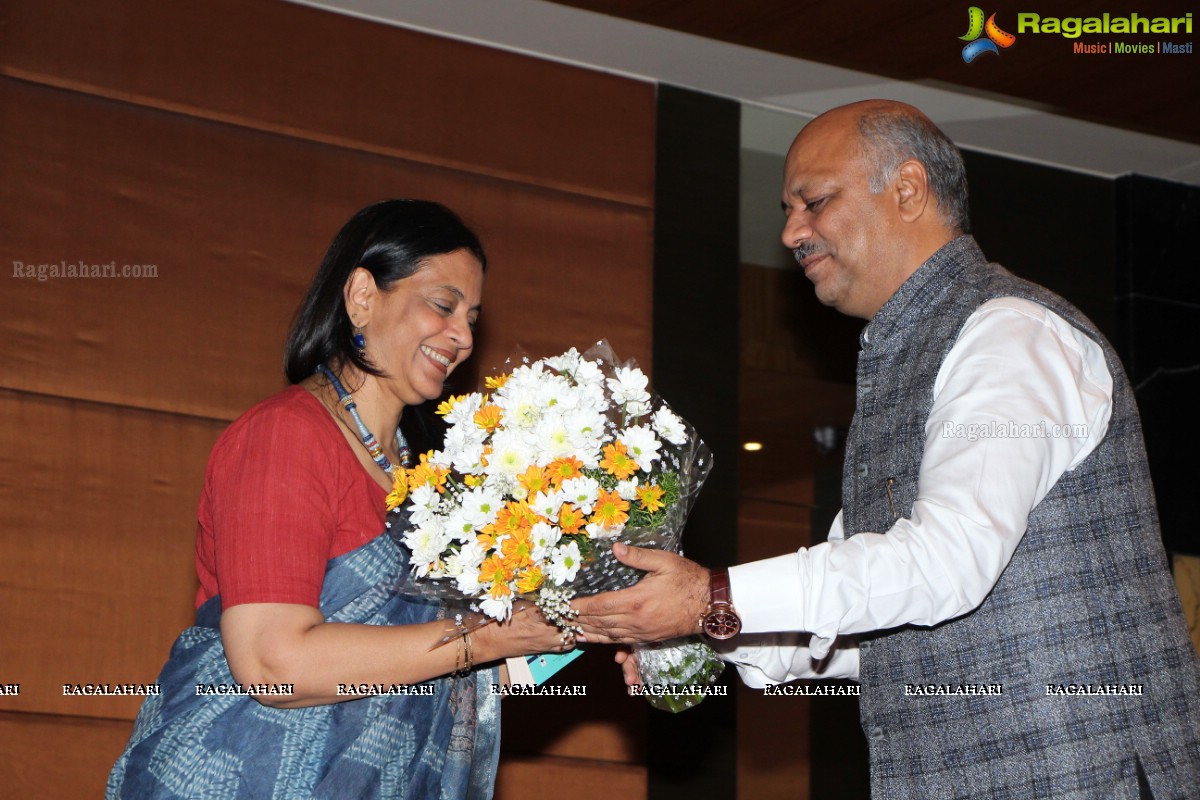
(292, 417)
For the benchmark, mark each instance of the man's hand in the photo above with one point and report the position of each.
(667, 602)
(629, 666)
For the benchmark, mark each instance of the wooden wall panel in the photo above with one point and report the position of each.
(578, 779)
(328, 77)
(224, 142)
(98, 542)
(235, 222)
(55, 758)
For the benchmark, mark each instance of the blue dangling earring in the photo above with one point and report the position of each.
(360, 341)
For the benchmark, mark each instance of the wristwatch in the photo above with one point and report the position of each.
(720, 621)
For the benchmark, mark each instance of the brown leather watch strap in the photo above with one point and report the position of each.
(719, 588)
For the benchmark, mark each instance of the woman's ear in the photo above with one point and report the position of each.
(360, 293)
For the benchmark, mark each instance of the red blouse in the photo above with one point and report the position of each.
(283, 494)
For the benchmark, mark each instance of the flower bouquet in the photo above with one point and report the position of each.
(535, 483)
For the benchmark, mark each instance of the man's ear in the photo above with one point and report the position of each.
(359, 293)
(912, 190)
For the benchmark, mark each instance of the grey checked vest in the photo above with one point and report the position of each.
(1086, 599)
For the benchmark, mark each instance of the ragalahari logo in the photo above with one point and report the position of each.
(976, 27)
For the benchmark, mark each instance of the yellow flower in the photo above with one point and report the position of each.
(495, 382)
(651, 497)
(473, 480)
(517, 549)
(399, 489)
(529, 580)
(617, 462)
(488, 417)
(534, 480)
(447, 405)
(562, 469)
(610, 510)
(570, 519)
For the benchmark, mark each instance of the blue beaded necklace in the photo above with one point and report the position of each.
(368, 439)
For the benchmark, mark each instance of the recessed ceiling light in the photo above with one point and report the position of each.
(752, 446)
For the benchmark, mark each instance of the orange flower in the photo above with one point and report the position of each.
(492, 570)
(534, 480)
(570, 519)
(488, 417)
(499, 589)
(610, 510)
(487, 536)
(651, 497)
(517, 549)
(617, 462)
(425, 473)
(515, 516)
(562, 469)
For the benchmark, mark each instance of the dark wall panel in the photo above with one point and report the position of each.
(1158, 305)
(696, 280)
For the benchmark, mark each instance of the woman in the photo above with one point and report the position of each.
(298, 575)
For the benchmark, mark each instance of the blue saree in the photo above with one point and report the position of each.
(188, 745)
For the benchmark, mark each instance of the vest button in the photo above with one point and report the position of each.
(877, 732)
(863, 470)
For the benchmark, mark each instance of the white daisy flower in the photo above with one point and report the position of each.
(511, 454)
(581, 491)
(463, 413)
(425, 503)
(427, 541)
(480, 505)
(629, 389)
(627, 490)
(597, 531)
(547, 503)
(544, 536)
(567, 362)
(588, 373)
(460, 526)
(669, 426)
(642, 445)
(564, 564)
(497, 609)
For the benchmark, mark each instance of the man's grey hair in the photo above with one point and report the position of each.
(889, 138)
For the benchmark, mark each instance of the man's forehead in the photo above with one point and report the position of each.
(808, 167)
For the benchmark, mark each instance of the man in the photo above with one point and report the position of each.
(998, 553)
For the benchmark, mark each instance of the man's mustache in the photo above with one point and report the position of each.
(805, 250)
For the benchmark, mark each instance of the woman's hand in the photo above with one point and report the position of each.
(526, 633)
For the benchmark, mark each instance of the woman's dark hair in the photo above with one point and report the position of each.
(391, 240)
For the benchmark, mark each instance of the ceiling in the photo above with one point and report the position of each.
(788, 60)
(909, 41)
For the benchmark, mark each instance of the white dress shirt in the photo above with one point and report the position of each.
(1022, 397)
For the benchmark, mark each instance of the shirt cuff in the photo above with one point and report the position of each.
(767, 594)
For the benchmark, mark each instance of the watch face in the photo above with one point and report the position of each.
(722, 623)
